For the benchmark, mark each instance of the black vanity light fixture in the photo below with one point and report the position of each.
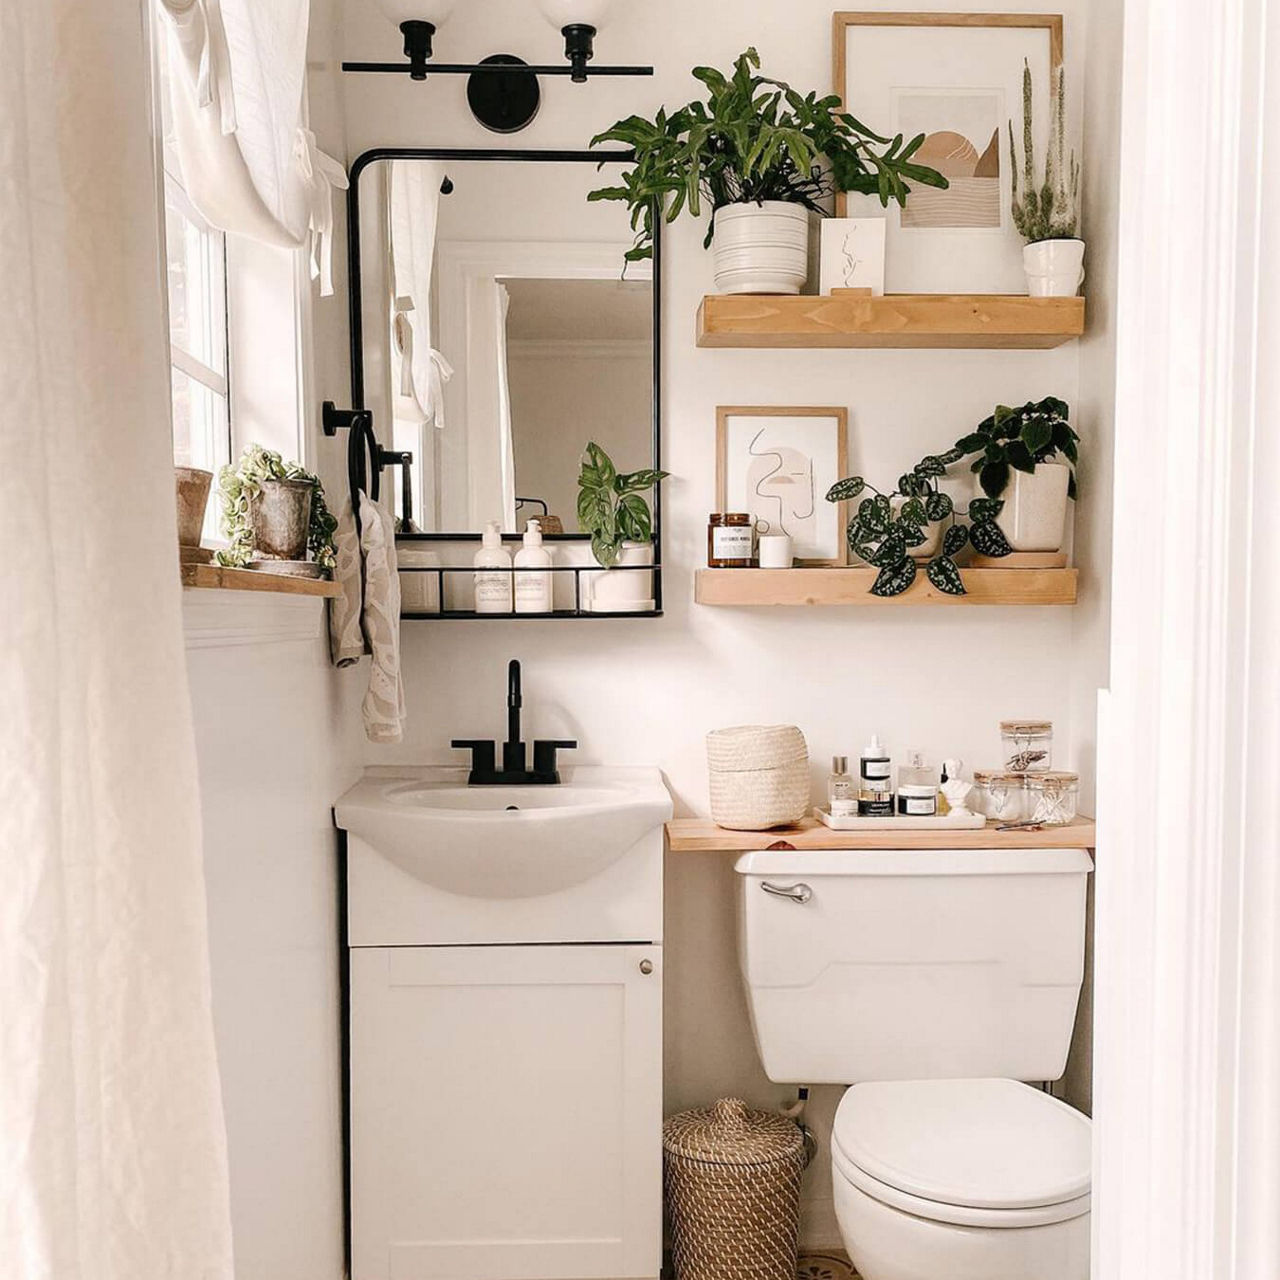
(502, 90)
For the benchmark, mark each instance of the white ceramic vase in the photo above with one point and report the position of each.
(625, 590)
(761, 248)
(1034, 515)
(1055, 268)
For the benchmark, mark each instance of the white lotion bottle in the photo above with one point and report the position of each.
(493, 590)
(533, 590)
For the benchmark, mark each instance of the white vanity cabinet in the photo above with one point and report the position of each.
(505, 982)
(505, 1112)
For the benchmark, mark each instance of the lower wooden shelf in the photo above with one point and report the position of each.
(701, 835)
(215, 577)
(749, 587)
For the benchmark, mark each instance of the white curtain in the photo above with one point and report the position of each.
(112, 1147)
(237, 89)
(1187, 1062)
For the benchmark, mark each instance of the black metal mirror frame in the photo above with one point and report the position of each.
(360, 442)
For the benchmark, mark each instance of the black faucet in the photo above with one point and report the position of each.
(484, 770)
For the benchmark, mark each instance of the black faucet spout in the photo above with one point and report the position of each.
(513, 753)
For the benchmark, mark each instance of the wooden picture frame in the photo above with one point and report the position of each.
(934, 73)
(818, 528)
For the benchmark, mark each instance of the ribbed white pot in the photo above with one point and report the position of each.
(1055, 268)
(1034, 515)
(761, 248)
(625, 591)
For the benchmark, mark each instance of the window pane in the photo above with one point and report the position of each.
(201, 436)
(197, 286)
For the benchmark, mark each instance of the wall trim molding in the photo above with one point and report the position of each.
(226, 619)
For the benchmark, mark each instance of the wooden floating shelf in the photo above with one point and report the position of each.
(212, 576)
(972, 320)
(853, 586)
(701, 835)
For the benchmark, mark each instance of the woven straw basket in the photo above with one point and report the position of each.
(733, 1192)
(759, 776)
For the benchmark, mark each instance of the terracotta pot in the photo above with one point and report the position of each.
(1035, 508)
(281, 515)
(193, 497)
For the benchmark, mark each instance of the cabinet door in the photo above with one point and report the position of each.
(506, 1112)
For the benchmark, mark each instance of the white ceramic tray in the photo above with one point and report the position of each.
(948, 822)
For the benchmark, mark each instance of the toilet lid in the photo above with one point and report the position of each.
(987, 1144)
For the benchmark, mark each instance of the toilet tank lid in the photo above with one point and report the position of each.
(986, 1144)
(913, 862)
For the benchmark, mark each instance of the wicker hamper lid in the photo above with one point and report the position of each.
(755, 746)
(731, 1133)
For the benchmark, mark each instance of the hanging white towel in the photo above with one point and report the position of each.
(383, 709)
(346, 639)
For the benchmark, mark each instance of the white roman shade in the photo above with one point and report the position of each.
(237, 90)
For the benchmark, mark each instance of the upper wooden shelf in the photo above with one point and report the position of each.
(701, 835)
(215, 577)
(853, 586)
(991, 320)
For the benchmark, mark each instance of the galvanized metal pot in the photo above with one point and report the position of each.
(281, 515)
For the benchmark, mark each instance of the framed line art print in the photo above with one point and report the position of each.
(957, 79)
(777, 463)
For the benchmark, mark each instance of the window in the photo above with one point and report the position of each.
(196, 275)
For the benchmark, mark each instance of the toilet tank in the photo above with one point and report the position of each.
(912, 965)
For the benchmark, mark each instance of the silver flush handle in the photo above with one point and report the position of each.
(799, 893)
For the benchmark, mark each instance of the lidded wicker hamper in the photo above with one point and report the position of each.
(759, 776)
(732, 1180)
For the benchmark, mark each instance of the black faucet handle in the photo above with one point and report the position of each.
(483, 753)
(544, 755)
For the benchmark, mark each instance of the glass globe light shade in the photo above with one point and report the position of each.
(571, 13)
(432, 11)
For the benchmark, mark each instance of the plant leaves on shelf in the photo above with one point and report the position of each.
(872, 516)
(994, 478)
(1037, 434)
(931, 466)
(912, 534)
(891, 550)
(938, 506)
(894, 579)
(981, 509)
(955, 539)
(988, 539)
(842, 490)
(945, 576)
(913, 512)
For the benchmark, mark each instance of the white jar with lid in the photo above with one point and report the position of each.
(1052, 797)
(1005, 797)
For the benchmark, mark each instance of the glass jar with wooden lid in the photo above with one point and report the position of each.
(1052, 797)
(1027, 744)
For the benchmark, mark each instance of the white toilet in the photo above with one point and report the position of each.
(933, 982)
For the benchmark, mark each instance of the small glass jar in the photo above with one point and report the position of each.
(978, 796)
(1028, 745)
(1006, 797)
(729, 540)
(1052, 797)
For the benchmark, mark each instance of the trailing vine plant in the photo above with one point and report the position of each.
(239, 484)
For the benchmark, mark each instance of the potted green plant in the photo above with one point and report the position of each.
(1046, 211)
(273, 510)
(1018, 463)
(754, 150)
(613, 510)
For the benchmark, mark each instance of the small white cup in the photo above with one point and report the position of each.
(775, 550)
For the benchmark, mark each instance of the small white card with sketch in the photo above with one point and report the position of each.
(852, 254)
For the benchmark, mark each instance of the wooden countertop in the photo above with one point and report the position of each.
(695, 835)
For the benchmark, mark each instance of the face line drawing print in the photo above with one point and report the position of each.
(851, 263)
(794, 477)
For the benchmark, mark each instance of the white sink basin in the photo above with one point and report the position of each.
(503, 842)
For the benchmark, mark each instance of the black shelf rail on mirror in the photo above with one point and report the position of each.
(365, 439)
(579, 610)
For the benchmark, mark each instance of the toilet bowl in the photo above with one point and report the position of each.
(962, 1179)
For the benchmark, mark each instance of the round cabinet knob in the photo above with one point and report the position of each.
(646, 967)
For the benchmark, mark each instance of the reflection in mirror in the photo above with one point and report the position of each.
(500, 336)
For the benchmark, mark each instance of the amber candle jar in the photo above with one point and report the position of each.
(729, 540)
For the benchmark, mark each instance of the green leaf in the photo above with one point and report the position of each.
(1019, 456)
(912, 534)
(985, 508)
(994, 478)
(894, 579)
(945, 576)
(988, 539)
(842, 490)
(954, 540)
(913, 512)
(891, 550)
(634, 520)
(605, 549)
(602, 464)
(938, 506)
(1036, 434)
(951, 456)
(1071, 486)
(872, 515)
(975, 442)
(930, 466)
(637, 481)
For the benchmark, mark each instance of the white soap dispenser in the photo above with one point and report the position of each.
(493, 590)
(533, 590)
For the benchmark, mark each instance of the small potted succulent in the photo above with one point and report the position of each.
(763, 156)
(273, 513)
(1046, 210)
(613, 510)
(1026, 460)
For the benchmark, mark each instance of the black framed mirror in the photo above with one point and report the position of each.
(494, 333)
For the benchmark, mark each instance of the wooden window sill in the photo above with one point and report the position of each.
(214, 577)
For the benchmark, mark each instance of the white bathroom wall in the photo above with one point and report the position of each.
(647, 691)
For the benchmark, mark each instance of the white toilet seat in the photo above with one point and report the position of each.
(982, 1153)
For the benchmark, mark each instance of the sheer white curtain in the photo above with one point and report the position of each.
(112, 1148)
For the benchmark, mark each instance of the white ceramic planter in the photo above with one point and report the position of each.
(761, 248)
(1055, 268)
(626, 591)
(932, 531)
(1034, 515)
